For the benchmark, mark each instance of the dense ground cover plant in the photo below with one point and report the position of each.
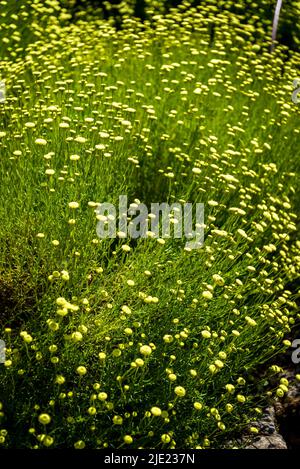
(113, 343)
(260, 13)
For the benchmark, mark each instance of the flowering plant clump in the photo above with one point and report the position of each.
(117, 343)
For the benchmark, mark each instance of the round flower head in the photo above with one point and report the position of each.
(76, 336)
(165, 438)
(241, 398)
(79, 444)
(60, 301)
(167, 338)
(80, 139)
(280, 392)
(125, 309)
(218, 280)
(50, 172)
(251, 321)
(65, 275)
(63, 125)
(196, 170)
(207, 295)
(73, 205)
(241, 381)
(145, 350)
(60, 379)
(74, 157)
(41, 141)
(44, 419)
(48, 441)
(284, 381)
(156, 411)
(198, 405)
(229, 388)
(81, 370)
(117, 420)
(229, 408)
(139, 362)
(180, 391)
(219, 363)
(92, 410)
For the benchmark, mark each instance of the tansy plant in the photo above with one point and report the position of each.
(115, 343)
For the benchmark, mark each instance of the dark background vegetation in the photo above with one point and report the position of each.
(253, 12)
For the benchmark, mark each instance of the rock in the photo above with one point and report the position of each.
(268, 437)
(280, 417)
(268, 442)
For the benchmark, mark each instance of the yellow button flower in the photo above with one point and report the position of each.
(44, 419)
(81, 370)
(180, 391)
(73, 205)
(156, 411)
(145, 350)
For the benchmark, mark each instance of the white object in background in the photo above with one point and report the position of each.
(275, 23)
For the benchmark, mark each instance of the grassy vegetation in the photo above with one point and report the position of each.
(142, 343)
